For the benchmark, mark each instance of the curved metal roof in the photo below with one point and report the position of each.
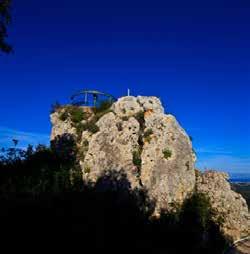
(94, 93)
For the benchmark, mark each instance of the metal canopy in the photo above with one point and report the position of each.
(91, 98)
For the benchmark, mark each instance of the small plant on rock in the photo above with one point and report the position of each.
(85, 143)
(74, 113)
(140, 118)
(137, 158)
(91, 127)
(103, 107)
(167, 153)
(63, 116)
(87, 169)
(147, 135)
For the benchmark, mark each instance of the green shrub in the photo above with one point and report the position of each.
(147, 135)
(137, 158)
(63, 116)
(87, 169)
(79, 129)
(103, 107)
(167, 153)
(74, 113)
(85, 143)
(90, 126)
(140, 118)
(197, 210)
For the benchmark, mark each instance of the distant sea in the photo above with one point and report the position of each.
(240, 179)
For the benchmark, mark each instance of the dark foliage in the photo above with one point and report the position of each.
(140, 118)
(103, 107)
(45, 204)
(88, 126)
(39, 170)
(147, 135)
(167, 153)
(137, 158)
(4, 22)
(74, 113)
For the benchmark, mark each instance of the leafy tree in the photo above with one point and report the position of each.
(5, 19)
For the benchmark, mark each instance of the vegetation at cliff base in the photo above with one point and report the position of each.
(43, 196)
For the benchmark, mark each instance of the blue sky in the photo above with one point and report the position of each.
(193, 55)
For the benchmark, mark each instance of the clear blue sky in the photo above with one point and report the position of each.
(194, 55)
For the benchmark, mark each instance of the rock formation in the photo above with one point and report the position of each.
(136, 137)
(230, 209)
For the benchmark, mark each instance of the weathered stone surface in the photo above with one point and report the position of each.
(150, 103)
(165, 159)
(242, 247)
(171, 179)
(229, 207)
(129, 105)
(60, 127)
(112, 148)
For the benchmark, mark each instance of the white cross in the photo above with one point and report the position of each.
(128, 92)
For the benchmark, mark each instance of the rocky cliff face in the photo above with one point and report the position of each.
(136, 137)
(229, 207)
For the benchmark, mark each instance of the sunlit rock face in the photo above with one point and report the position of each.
(129, 106)
(229, 207)
(169, 178)
(60, 127)
(112, 148)
(137, 138)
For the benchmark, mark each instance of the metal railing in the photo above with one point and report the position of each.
(90, 98)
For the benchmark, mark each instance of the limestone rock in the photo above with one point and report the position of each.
(154, 151)
(129, 105)
(150, 103)
(60, 127)
(171, 179)
(112, 148)
(229, 207)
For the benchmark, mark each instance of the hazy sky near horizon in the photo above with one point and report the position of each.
(195, 56)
